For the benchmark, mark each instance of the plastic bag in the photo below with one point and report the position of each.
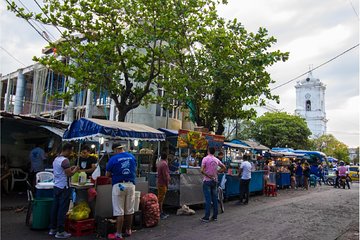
(80, 212)
(223, 182)
(96, 173)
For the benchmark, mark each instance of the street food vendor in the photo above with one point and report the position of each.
(191, 160)
(86, 162)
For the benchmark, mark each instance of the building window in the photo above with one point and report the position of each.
(308, 105)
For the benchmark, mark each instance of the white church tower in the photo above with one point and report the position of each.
(310, 104)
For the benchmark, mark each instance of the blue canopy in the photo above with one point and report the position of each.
(90, 128)
(169, 132)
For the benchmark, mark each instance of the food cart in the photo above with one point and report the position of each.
(234, 152)
(105, 132)
(186, 184)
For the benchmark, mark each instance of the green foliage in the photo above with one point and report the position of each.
(329, 145)
(281, 129)
(222, 69)
(119, 46)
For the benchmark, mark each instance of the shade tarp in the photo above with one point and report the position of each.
(169, 132)
(90, 128)
(251, 144)
(234, 145)
(55, 130)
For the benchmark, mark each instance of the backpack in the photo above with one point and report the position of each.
(150, 210)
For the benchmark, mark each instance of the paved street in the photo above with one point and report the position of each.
(321, 213)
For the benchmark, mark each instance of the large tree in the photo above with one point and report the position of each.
(223, 69)
(118, 46)
(328, 144)
(281, 129)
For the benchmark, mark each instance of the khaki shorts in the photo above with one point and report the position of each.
(161, 193)
(123, 201)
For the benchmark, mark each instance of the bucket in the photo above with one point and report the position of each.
(41, 213)
(137, 200)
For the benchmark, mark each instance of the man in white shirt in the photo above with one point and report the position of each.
(245, 173)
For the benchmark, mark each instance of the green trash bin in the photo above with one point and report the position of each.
(41, 213)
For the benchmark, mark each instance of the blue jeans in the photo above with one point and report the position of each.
(210, 194)
(59, 208)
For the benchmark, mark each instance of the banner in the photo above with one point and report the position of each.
(199, 140)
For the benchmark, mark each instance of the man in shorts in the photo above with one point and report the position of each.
(122, 169)
(163, 181)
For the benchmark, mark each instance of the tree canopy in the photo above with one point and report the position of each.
(118, 46)
(281, 129)
(223, 70)
(328, 144)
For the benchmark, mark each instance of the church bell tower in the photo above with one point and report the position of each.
(310, 104)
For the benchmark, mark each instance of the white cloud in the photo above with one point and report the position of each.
(312, 31)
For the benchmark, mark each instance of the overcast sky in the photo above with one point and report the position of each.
(312, 31)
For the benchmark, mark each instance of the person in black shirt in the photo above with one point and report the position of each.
(306, 173)
(86, 162)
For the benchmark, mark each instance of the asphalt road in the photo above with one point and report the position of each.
(320, 213)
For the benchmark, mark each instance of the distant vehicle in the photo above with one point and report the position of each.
(354, 172)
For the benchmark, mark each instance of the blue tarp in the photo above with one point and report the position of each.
(169, 132)
(89, 128)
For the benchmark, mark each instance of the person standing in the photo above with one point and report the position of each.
(163, 180)
(209, 166)
(266, 172)
(86, 162)
(62, 192)
(321, 174)
(299, 175)
(122, 170)
(306, 174)
(37, 157)
(245, 173)
(292, 168)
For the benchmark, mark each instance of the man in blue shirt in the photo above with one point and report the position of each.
(122, 169)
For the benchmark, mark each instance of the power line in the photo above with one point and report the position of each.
(38, 25)
(48, 17)
(22, 16)
(353, 8)
(12, 56)
(330, 60)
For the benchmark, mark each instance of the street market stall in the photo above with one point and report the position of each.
(186, 182)
(234, 151)
(106, 132)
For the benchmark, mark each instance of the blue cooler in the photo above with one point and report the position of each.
(44, 190)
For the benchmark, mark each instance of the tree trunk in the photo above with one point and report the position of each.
(220, 128)
(122, 115)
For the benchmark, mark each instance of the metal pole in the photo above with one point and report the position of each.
(7, 95)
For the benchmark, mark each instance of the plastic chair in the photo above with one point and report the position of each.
(312, 180)
(44, 177)
(17, 175)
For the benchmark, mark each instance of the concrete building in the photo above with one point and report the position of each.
(30, 91)
(310, 104)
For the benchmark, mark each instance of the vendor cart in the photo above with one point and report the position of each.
(184, 188)
(89, 129)
(232, 186)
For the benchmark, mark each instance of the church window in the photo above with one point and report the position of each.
(308, 105)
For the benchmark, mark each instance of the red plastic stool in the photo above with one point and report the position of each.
(270, 189)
